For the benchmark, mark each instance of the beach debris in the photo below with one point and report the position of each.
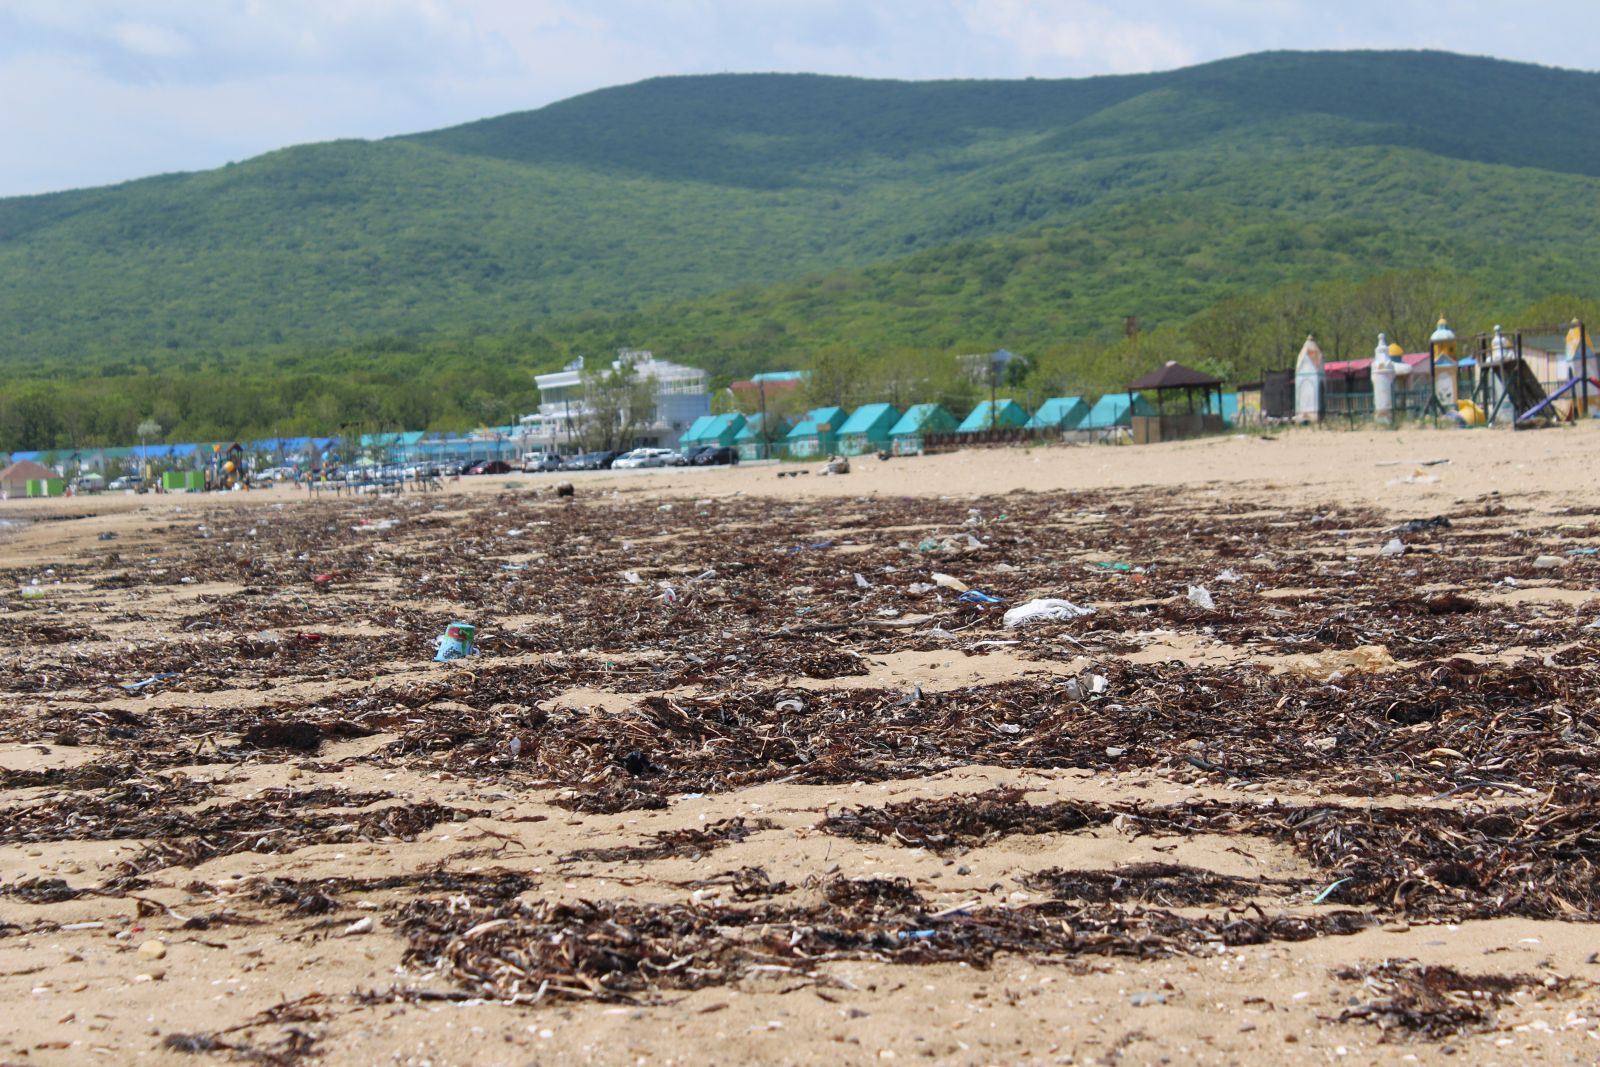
(947, 581)
(152, 680)
(1044, 610)
(1200, 597)
(458, 641)
(1393, 547)
(1416, 526)
(1434, 1000)
(1440, 746)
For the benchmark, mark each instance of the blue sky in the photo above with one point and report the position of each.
(100, 91)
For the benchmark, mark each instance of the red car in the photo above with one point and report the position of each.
(494, 466)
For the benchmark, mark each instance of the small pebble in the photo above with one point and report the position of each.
(153, 949)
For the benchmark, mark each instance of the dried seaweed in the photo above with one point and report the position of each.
(630, 952)
(1430, 999)
(691, 842)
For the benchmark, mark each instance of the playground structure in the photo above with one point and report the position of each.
(229, 468)
(1509, 390)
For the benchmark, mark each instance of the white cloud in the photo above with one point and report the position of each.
(1082, 37)
(156, 41)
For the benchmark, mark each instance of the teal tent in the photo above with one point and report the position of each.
(867, 429)
(1006, 415)
(1059, 413)
(817, 434)
(906, 435)
(753, 443)
(1114, 410)
(692, 436)
(720, 430)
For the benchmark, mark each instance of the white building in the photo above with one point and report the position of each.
(682, 395)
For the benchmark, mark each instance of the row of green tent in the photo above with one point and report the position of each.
(829, 431)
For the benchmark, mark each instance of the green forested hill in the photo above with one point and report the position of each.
(737, 220)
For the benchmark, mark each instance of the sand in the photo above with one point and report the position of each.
(80, 991)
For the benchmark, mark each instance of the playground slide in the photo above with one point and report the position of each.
(1471, 413)
(1539, 408)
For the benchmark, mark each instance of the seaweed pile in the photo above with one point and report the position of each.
(1443, 737)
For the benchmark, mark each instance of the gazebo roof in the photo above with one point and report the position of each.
(1175, 376)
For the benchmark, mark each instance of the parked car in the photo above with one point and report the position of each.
(675, 458)
(592, 461)
(542, 461)
(711, 455)
(643, 457)
(126, 481)
(493, 466)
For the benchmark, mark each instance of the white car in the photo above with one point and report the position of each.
(642, 457)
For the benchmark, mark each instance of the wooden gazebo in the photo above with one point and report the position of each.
(1177, 416)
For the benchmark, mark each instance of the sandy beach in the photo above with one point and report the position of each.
(737, 776)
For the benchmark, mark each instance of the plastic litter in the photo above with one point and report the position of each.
(949, 582)
(1114, 566)
(1049, 609)
(918, 588)
(973, 596)
(861, 581)
(1394, 547)
(152, 680)
(1328, 892)
(458, 640)
(1228, 576)
(1549, 563)
(632, 578)
(1200, 597)
(1411, 526)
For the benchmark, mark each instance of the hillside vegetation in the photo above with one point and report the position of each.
(746, 221)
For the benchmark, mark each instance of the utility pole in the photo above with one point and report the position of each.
(766, 446)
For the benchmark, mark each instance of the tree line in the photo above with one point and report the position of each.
(465, 381)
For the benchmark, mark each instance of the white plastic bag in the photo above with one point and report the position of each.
(1046, 610)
